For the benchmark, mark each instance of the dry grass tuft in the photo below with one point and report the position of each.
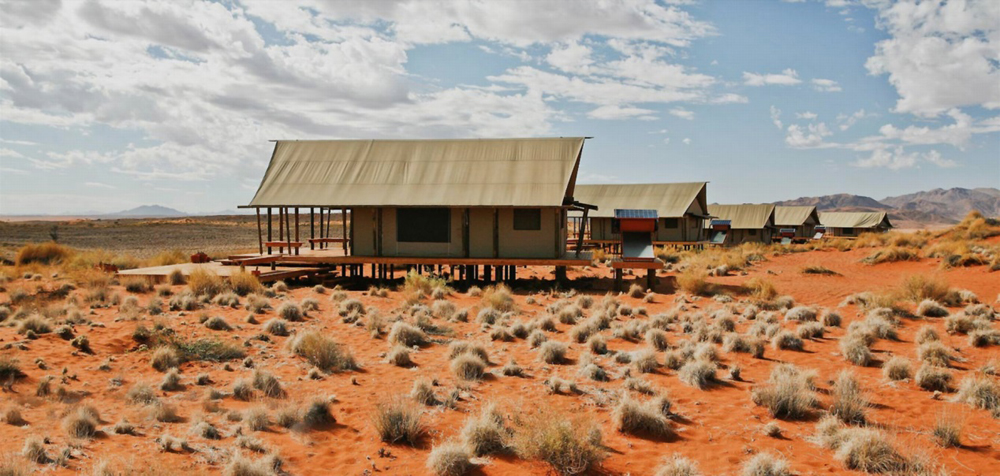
(552, 352)
(896, 369)
(42, 253)
(202, 282)
(486, 433)
(694, 281)
(245, 283)
(397, 420)
(633, 417)
(677, 465)
(81, 422)
(933, 378)
(766, 464)
(849, 404)
(468, 367)
(786, 394)
(322, 352)
(570, 446)
(449, 459)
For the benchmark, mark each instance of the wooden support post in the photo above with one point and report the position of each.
(260, 240)
(583, 226)
(269, 237)
(486, 272)
(343, 231)
(312, 228)
(650, 279)
(513, 273)
(496, 233)
(560, 274)
(618, 280)
(281, 226)
(288, 231)
(296, 229)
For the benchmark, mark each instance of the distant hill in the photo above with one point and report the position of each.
(834, 202)
(915, 210)
(148, 211)
(954, 202)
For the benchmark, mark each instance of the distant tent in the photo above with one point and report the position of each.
(854, 223)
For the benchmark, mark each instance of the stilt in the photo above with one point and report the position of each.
(312, 228)
(650, 279)
(618, 280)
(269, 229)
(487, 272)
(296, 229)
(260, 240)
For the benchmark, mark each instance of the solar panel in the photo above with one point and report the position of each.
(721, 223)
(718, 237)
(634, 213)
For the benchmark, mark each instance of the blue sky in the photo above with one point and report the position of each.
(106, 105)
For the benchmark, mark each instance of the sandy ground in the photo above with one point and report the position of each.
(718, 427)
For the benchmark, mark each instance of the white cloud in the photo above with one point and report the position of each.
(787, 77)
(809, 137)
(686, 141)
(896, 158)
(826, 85)
(571, 57)
(681, 113)
(618, 112)
(100, 185)
(776, 118)
(807, 115)
(939, 56)
(846, 121)
(4, 152)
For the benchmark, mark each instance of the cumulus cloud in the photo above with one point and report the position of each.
(681, 113)
(619, 112)
(825, 85)
(810, 136)
(787, 77)
(935, 47)
(808, 115)
(776, 118)
(896, 158)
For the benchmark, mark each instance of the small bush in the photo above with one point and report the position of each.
(244, 283)
(81, 423)
(276, 326)
(164, 357)
(694, 281)
(947, 432)
(569, 446)
(891, 254)
(398, 421)
(317, 414)
(766, 464)
(931, 308)
(171, 381)
(267, 383)
(787, 340)
(142, 394)
(407, 335)
(657, 339)
(137, 284)
(498, 297)
(980, 392)
(10, 370)
(636, 418)
(786, 394)
(243, 390)
(486, 433)
(848, 402)
(399, 356)
(290, 311)
(256, 418)
(552, 352)
(42, 253)
(801, 314)
(468, 367)
(217, 323)
(645, 361)
(856, 351)
(677, 465)
(34, 450)
(449, 459)
(698, 373)
(322, 352)
(933, 378)
(935, 353)
(896, 369)
(202, 282)
(423, 392)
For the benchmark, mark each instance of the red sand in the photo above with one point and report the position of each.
(719, 427)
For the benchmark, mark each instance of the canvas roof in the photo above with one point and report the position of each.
(744, 216)
(462, 172)
(670, 200)
(853, 219)
(794, 216)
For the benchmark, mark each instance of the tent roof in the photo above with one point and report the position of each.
(463, 172)
(670, 200)
(853, 219)
(744, 216)
(794, 216)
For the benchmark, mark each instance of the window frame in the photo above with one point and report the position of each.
(536, 219)
(405, 226)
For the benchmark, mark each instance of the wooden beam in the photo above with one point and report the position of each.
(288, 230)
(583, 226)
(296, 227)
(269, 237)
(260, 240)
(312, 227)
(343, 224)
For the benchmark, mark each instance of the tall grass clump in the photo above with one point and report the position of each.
(449, 459)
(398, 420)
(244, 283)
(202, 282)
(486, 433)
(322, 352)
(786, 394)
(42, 253)
(694, 281)
(637, 418)
(498, 297)
(570, 446)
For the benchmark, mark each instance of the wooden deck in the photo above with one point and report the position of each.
(160, 273)
(336, 257)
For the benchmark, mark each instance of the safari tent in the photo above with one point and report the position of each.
(854, 223)
(682, 209)
(472, 198)
(736, 224)
(802, 219)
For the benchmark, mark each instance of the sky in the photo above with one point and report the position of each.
(106, 105)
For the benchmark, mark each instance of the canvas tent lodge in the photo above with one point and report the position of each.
(682, 210)
(736, 224)
(851, 224)
(802, 219)
(491, 202)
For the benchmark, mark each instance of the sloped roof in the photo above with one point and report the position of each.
(794, 216)
(853, 219)
(463, 172)
(670, 200)
(744, 216)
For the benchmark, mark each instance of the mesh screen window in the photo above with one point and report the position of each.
(529, 219)
(423, 225)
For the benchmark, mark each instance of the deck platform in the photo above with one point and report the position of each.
(160, 273)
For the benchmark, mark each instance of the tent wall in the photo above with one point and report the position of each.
(547, 242)
(689, 228)
(481, 232)
(740, 236)
(452, 249)
(363, 231)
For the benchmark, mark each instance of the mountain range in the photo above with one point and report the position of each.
(914, 210)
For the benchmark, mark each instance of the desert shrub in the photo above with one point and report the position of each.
(786, 394)
(407, 335)
(931, 308)
(202, 282)
(243, 389)
(423, 392)
(267, 383)
(256, 418)
(933, 378)
(765, 464)
(227, 299)
(171, 381)
(984, 338)
(897, 368)
(694, 281)
(926, 334)
(217, 323)
(511, 369)
(919, 287)
(855, 350)
(486, 433)
(460, 347)
(552, 352)
(141, 393)
(947, 432)
(801, 314)
(164, 357)
(935, 353)
(698, 373)
(980, 392)
(207, 350)
(677, 465)
(137, 284)
(399, 356)
(787, 340)
(644, 361)
(34, 450)
(81, 423)
(567, 445)
(176, 278)
(657, 339)
(397, 420)
(449, 459)
(290, 311)
(35, 324)
(561, 386)
(10, 369)
(468, 367)
(870, 451)
(597, 344)
(42, 253)
(185, 301)
(498, 297)
(244, 283)
(351, 306)
(317, 414)
(276, 326)
(322, 352)
(831, 319)
(849, 404)
(633, 417)
(891, 254)
(257, 303)
(810, 330)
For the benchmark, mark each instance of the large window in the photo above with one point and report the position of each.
(848, 231)
(423, 225)
(753, 232)
(529, 219)
(671, 223)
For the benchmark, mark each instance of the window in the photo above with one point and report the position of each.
(529, 219)
(847, 231)
(753, 232)
(423, 225)
(671, 223)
